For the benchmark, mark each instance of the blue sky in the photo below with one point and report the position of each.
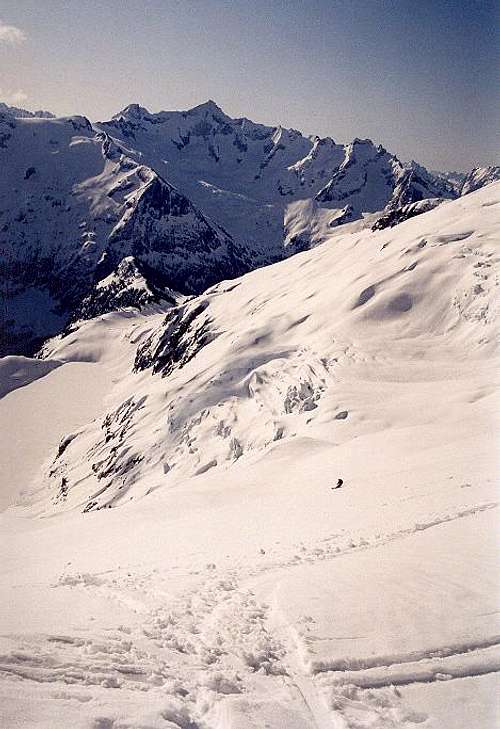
(420, 77)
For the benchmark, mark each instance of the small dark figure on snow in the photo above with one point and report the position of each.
(339, 484)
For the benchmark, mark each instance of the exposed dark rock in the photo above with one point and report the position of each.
(185, 331)
(399, 215)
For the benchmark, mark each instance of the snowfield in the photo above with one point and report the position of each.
(174, 554)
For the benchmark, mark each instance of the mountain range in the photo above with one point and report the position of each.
(152, 207)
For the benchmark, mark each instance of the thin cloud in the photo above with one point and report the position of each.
(11, 35)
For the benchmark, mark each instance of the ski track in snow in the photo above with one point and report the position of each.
(209, 643)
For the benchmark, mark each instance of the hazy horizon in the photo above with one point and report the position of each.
(420, 79)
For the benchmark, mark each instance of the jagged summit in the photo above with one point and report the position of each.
(247, 175)
(358, 141)
(136, 111)
(133, 110)
(209, 106)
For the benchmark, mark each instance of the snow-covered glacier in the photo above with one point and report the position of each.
(175, 552)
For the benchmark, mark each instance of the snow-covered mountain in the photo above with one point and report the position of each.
(144, 207)
(246, 175)
(479, 177)
(200, 569)
(454, 177)
(73, 208)
(24, 113)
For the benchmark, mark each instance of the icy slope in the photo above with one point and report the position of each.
(246, 174)
(243, 592)
(73, 208)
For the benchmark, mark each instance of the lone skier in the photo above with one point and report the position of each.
(339, 484)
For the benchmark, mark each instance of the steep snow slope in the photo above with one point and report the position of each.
(79, 382)
(255, 360)
(50, 419)
(75, 211)
(243, 591)
(19, 371)
(246, 174)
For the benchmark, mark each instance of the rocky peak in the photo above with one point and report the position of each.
(208, 107)
(134, 111)
(479, 177)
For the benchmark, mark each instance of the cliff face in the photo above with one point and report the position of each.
(73, 207)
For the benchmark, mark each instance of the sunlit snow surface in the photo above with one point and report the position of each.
(216, 578)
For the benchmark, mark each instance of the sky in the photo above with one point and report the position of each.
(419, 76)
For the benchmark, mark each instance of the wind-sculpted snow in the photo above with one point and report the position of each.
(20, 371)
(254, 361)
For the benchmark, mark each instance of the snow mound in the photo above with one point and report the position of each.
(20, 371)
